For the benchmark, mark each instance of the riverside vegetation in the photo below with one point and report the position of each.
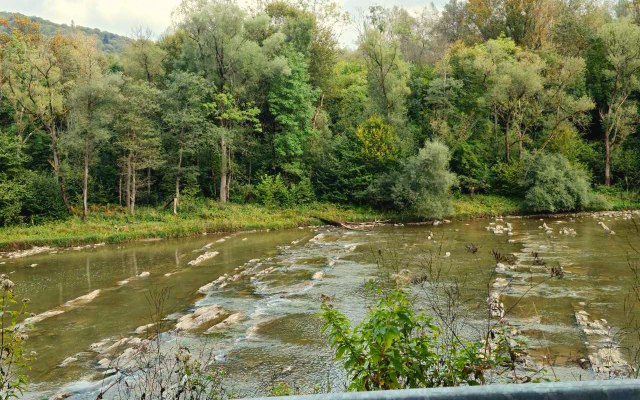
(532, 101)
(255, 117)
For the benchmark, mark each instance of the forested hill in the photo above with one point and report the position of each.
(107, 42)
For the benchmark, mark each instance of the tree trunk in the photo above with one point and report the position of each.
(507, 150)
(607, 158)
(149, 184)
(223, 171)
(55, 165)
(128, 184)
(85, 182)
(132, 206)
(520, 145)
(176, 201)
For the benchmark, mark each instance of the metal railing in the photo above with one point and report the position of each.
(628, 389)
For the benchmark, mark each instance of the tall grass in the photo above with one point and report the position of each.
(114, 225)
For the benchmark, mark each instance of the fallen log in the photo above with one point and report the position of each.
(332, 222)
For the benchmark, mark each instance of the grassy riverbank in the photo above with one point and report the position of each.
(114, 225)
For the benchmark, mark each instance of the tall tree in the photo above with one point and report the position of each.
(37, 73)
(291, 101)
(184, 115)
(90, 104)
(220, 48)
(137, 134)
(618, 111)
(388, 73)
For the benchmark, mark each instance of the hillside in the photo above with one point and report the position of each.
(108, 42)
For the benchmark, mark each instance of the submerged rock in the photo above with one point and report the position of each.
(142, 329)
(206, 256)
(67, 361)
(83, 299)
(30, 252)
(200, 317)
(231, 320)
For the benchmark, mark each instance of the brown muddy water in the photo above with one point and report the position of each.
(87, 299)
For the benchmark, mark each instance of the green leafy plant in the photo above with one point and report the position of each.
(395, 348)
(14, 363)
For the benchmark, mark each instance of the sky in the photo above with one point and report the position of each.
(123, 16)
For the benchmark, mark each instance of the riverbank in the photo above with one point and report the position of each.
(114, 225)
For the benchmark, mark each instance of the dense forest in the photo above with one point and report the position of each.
(530, 99)
(107, 42)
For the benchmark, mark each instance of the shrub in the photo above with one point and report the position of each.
(14, 363)
(396, 348)
(553, 184)
(507, 178)
(272, 191)
(11, 195)
(302, 192)
(471, 169)
(377, 140)
(422, 185)
(43, 200)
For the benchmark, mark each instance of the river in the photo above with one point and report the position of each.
(86, 299)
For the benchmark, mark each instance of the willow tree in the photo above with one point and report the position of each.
(136, 133)
(618, 76)
(388, 74)
(37, 72)
(90, 104)
(185, 118)
(219, 47)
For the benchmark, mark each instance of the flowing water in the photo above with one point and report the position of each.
(87, 299)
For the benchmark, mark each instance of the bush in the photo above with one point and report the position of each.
(43, 200)
(421, 186)
(11, 195)
(272, 191)
(471, 169)
(507, 178)
(396, 348)
(553, 184)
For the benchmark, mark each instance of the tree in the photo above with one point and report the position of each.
(291, 101)
(387, 72)
(184, 115)
(230, 117)
(90, 105)
(619, 43)
(421, 185)
(36, 74)
(143, 58)
(219, 47)
(137, 135)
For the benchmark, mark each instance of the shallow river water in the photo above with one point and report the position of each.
(87, 299)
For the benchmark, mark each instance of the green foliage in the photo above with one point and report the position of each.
(469, 165)
(422, 186)
(396, 348)
(12, 187)
(42, 200)
(11, 196)
(378, 143)
(553, 184)
(291, 101)
(14, 363)
(507, 177)
(272, 191)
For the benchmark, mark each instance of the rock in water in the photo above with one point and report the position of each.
(206, 256)
(200, 317)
